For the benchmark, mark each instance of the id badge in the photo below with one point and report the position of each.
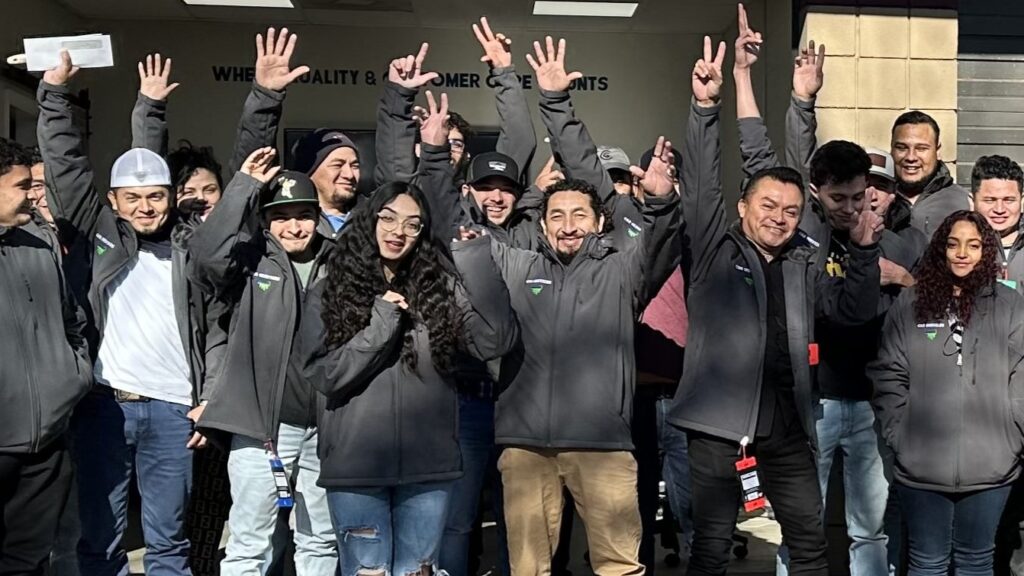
(284, 489)
(746, 469)
(812, 354)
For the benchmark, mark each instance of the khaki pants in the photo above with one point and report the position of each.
(604, 487)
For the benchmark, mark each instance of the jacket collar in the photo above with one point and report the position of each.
(595, 247)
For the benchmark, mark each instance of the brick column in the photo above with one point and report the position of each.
(883, 61)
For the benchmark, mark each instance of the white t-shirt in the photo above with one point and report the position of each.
(141, 351)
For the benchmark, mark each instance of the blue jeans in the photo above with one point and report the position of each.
(849, 426)
(958, 527)
(479, 459)
(111, 438)
(675, 470)
(254, 512)
(396, 530)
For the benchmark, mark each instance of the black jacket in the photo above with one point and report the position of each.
(232, 258)
(76, 202)
(720, 390)
(44, 365)
(953, 428)
(385, 425)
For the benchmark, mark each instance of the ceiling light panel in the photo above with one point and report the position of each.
(599, 9)
(243, 3)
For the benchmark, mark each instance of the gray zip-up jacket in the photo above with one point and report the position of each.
(233, 258)
(385, 425)
(953, 428)
(44, 364)
(571, 384)
(720, 390)
(77, 202)
(941, 197)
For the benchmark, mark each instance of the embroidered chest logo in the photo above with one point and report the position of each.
(747, 275)
(103, 245)
(537, 285)
(930, 329)
(265, 281)
(633, 229)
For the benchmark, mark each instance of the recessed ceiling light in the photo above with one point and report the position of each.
(603, 9)
(243, 3)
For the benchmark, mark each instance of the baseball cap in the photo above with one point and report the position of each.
(494, 164)
(313, 148)
(140, 167)
(289, 187)
(613, 158)
(882, 164)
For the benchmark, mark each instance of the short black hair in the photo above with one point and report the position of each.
(36, 154)
(13, 154)
(916, 117)
(187, 159)
(838, 162)
(455, 120)
(996, 167)
(575, 185)
(782, 174)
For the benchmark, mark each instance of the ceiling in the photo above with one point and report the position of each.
(652, 16)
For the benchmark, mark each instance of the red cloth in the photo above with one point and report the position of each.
(667, 312)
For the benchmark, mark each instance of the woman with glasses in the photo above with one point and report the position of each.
(380, 336)
(949, 395)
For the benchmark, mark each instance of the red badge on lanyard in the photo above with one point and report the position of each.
(812, 354)
(746, 468)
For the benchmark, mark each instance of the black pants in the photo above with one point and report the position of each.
(789, 479)
(34, 489)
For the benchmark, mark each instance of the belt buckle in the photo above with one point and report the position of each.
(123, 396)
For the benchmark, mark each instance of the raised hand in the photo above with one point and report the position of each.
(748, 43)
(433, 120)
(153, 77)
(395, 298)
(808, 72)
(63, 72)
(548, 175)
(466, 234)
(497, 47)
(273, 60)
(657, 179)
(707, 75)
(258, 165)
(869, 226)
(549, 66)
(408, 72)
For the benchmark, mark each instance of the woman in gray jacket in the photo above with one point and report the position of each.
(949, 395)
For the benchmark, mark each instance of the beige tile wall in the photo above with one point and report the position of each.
(882, 62)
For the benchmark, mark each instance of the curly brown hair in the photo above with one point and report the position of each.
(935, 281)
(355, 278)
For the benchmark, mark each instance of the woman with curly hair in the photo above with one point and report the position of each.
(379, 340)
(949, 394)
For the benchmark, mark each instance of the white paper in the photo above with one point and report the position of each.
(88, 51)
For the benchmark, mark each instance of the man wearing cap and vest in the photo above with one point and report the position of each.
(146, 335)
(261, 252)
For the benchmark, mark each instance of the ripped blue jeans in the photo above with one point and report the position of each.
(394, 530)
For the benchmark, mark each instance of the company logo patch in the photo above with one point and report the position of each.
(265, 281)
(100, 250)
(537, 285)
(634, 229)
(264, 286)
(931, 335)
(495, 165)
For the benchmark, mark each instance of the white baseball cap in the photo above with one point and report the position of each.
(140, 167)
(882, 164)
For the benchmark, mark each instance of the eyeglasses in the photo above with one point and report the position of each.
(390, 223)
(457, 144)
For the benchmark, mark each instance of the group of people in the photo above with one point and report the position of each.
(348, 370)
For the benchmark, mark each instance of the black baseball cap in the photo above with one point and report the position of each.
(494, 164)
(290, 187)
(311, 151)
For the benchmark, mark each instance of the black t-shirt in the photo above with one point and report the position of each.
(777, 378)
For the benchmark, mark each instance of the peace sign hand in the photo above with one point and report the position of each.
(497, 47)
(707, 75)
(808, 72)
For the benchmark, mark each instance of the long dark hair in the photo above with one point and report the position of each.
(426, 278)
(935, 281)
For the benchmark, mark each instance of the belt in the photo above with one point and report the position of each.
(122, 396)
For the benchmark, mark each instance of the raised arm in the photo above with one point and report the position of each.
(756, 149)
(149, 117)
(801, 122)
(702, 207)
(227, 246)
(396, 128)
(517, 138)
(261, 113)
(339, 372)
(653, 259)
(72, 191)
(436, 175)
(488, 321)
(570, 140)
(890, 372)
